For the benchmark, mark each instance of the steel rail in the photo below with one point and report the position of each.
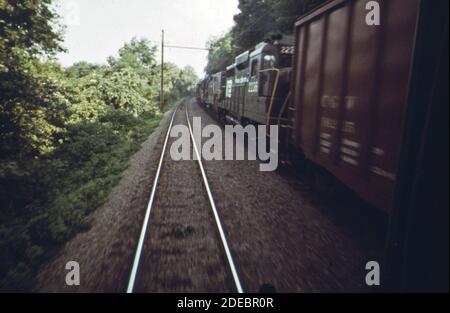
(214, 209)
(140, 245)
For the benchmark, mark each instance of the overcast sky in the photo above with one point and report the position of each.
(96, 29)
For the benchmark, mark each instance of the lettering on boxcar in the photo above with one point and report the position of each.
(350, 102)
(350, 143)
(349, 160)
(378, 151)
(325, 143)
(331, 102)
(327, 122)
(325, 136)
(383, 173)
(325, 150)
(350, 152)
(348, 127)
(324, 101)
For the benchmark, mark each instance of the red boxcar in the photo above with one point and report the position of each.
(350, 90)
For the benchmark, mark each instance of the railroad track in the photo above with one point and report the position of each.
(146, 225)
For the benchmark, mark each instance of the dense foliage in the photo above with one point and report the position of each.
(65, 134)
(256, 21)
(221, 53)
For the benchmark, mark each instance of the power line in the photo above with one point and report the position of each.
(156, 42)
(184, 47)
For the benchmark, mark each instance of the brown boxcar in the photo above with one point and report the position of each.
(350, 91)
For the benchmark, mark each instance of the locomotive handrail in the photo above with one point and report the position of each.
(283, 107)
(274, 89)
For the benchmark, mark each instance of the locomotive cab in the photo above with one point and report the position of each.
(269, 78)
(277, 56)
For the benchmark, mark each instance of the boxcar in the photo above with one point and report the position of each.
(350, 91)
(370, 104)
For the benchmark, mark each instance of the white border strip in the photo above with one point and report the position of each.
(214, 209)
(137, 256)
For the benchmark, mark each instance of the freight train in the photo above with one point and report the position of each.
(368, 103)
(341, 89)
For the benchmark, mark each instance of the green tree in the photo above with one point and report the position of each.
(139, 56)
(221, 53)
(287, 11)
(254, 21)
(123, 89)
(82, 69)
(178, 82)
(29, 25)
(31, 101)
(29, 91)
(188, 80)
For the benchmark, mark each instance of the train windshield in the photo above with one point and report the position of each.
(269, 61)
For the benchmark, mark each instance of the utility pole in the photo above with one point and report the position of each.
(161, 97)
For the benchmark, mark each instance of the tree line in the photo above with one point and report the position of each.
(66, 134)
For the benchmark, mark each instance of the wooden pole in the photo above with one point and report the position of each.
(162, 71)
